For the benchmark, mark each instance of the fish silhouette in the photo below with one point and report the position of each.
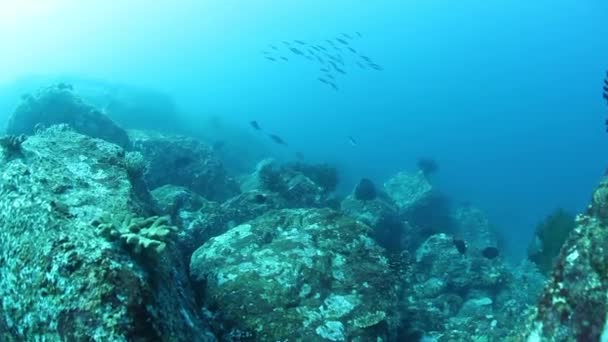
(278, 140)
(296, 51)
(255, 125)
(342, 41)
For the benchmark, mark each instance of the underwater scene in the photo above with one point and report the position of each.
(264, 170)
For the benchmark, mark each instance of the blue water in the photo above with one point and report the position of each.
(505, 95)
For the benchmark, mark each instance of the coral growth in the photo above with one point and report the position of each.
(141, 234)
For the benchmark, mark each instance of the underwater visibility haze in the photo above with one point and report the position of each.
(303, 170)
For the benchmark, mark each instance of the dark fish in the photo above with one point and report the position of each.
(352, 141)
(324, 70)
(340, 40)
(347, 36)
(320, 60)
(360, 65)
(376, 67)
(367, 59)
(296, 51)
(300, 42)
(270, 58)
(358, 34)
(340, 70)
(490, 252)
(286, 43)
(352, 50)
(311, 52)
(266, 52)
(284, 58)
(333, 85)
(309, 58)
(330, 42)
(277, 139)
(315, 47)
(605, 96)
(273, 47)
(460, 245)
(322, 80)
(331, 77)
(605, 89)
(321, 47)
(255, 125)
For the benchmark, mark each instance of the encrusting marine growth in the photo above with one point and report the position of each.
(141, 234)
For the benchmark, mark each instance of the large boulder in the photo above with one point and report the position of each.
(408, 190)
(59, 104)
(82, 257)
(574, 305)
(389, 230)
(299, 185)
(419, 203)
(304, 274)
(183, 161)
(472, 225)
(457, 296)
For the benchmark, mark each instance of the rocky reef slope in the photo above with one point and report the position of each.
(109, 235)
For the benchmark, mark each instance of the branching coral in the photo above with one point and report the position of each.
(141, 234)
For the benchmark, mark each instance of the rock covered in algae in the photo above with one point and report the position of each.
(58, 104)
(59, 279)
(408, 190)
(574, 306)
(299, 185)
(183, 161)
(310, 273)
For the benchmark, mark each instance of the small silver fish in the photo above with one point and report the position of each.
(340, 40)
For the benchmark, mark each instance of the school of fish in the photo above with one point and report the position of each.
(333, 56)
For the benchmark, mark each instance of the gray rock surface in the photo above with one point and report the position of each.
(183, 161)
(59, 104)
(310, 273)
(60, 280)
